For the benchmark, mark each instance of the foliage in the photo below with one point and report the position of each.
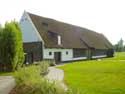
(51, 62)
(44, 67)
(0, 26)
(4, 73)
(118, 56)
(119, 47)
(97, 77)
(11, 50)
(29, 81)
(23, 74)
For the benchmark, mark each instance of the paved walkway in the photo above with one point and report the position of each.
(56, 74)
(6, 84)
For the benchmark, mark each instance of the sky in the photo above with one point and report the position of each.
(103, 16)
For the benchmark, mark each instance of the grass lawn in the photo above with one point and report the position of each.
(97, 77)
(6, 73)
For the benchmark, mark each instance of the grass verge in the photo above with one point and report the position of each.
(97, 77)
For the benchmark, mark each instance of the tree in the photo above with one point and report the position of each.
(119, 47)
(11, 50)
(0, 26)
(124, 48)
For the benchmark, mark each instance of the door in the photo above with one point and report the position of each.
(57, 57)
(29, 58)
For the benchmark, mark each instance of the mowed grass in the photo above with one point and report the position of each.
(6, 73)
(117, 56)
(97, 77)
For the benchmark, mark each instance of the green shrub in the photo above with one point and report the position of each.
(27, 73)
(51, 62)
(11, 50)
(44, 67)
(29, 81)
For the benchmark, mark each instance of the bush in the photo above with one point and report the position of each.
(29, 81)
(27, 73)
(51, 62)
(11, 50)
(44, 67)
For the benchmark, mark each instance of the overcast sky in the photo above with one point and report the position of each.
(103, 16)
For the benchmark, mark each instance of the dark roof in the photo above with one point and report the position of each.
(71, 36)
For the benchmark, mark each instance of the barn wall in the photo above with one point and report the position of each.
(64, 56)
(110, 53)
(98, 53)
(77, 53)
(29, 32)
(33, 51)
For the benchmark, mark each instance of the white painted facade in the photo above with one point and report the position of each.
(64, 56)
(100, 56)
(29, 32)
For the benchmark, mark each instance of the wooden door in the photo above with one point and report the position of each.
(29, 58)
(57, 57)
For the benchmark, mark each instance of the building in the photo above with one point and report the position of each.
(46, 38)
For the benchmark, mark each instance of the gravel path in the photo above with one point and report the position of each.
(56, 74)
(6, 84)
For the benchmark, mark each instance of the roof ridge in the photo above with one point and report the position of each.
(73, 36)
(62, 22)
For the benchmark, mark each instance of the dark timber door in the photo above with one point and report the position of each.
(29, 58)
(57, 57)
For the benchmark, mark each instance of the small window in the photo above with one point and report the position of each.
(79, 53)
(67, 52)
(50, 53)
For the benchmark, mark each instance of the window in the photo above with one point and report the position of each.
(98, 52)
(79, 53)
(66, 52)
(50, 53)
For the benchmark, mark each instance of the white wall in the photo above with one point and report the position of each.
(29, 32)
(100, 56)
(64, 56)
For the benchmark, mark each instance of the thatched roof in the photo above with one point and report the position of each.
(71, 36)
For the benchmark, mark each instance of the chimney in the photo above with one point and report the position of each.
(59, 39)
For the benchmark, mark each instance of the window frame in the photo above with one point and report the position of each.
(67, 52)
(77, 53)
(50, 53)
